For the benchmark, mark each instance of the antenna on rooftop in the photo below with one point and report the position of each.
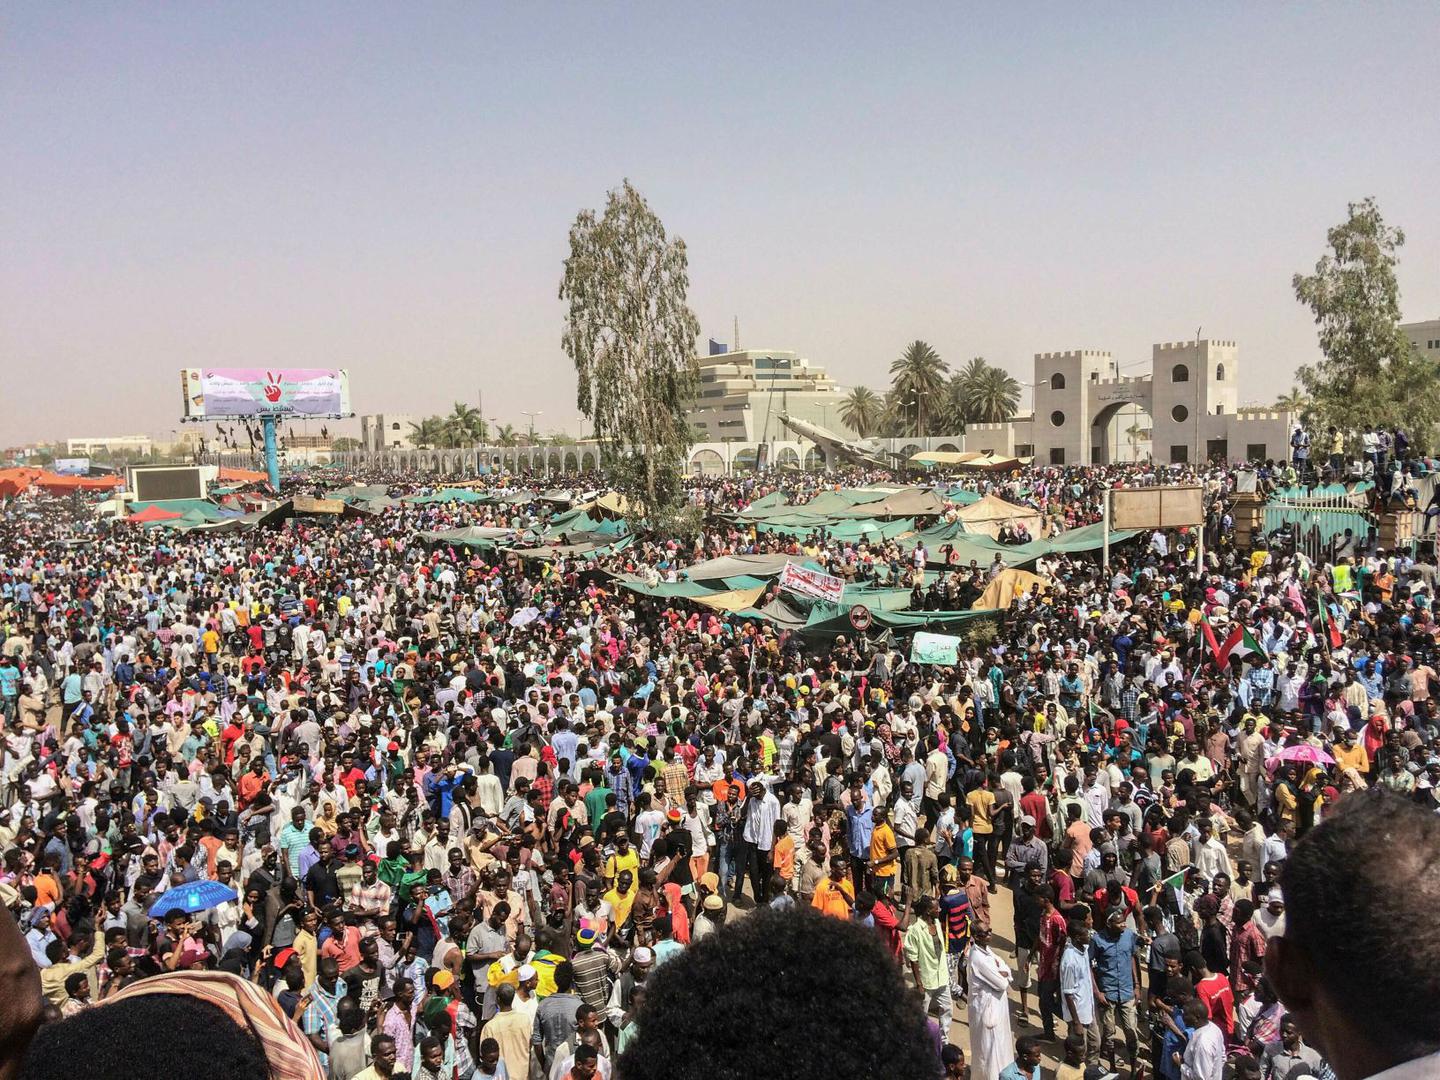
(737, 333)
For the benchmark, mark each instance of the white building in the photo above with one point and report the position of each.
(1185, 409)
(386, 431)
(743, 393)
(114, 444)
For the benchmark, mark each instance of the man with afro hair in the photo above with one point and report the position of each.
(782, 994)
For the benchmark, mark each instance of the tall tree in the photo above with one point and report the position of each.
(897, 417)
(631, 335)
(1369, 373)
(861, 411)
(505, 435)
(1292, 401)
(991, 393)
(465, 425)
(917, 374)
(428, 433)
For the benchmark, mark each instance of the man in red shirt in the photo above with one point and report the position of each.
(1033, 804)
(1213, 988)
(882, 916)
(1051, 943)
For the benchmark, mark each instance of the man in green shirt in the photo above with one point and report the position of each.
(925, 953)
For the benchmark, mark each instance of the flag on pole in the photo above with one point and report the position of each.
(1325, 626)
(1176, 881)
(1239, 642)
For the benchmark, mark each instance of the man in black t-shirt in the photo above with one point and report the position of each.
(674, 846)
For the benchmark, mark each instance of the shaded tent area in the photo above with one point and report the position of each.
(479, 537)
(855, 514)
(303, 506)
(734, 583)
(153, 513)
(231, 475)
(447, 495)
(981, 549)
(928, 458)
(833, 623)
(988, 515)
(1008, 586)
(738, 583)
(21, 479)
(583, 547)
(994, 463)
(179, 513)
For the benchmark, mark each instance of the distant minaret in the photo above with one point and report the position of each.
(736, 335)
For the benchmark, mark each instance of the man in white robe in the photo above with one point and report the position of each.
(992, 1047)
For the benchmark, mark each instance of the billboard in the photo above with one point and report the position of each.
(238, 393)
(161, 482)
(1156, 507)
(72, 466)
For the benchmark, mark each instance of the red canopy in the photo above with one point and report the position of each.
(231, 475)
(154, 513)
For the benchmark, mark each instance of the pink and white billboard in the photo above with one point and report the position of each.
(225, 393)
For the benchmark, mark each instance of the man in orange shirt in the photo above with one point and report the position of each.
(252, 782)
(782, 857)
(835, 894)
(884, 853)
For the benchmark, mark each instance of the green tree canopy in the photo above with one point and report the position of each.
(465, 426)
(861, 411)
(917, 378)
(428, 433)
(991, 394)
(1369, 374)
(631, 335)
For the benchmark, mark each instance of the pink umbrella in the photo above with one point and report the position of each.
(1300, 753)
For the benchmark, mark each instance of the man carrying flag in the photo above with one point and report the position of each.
(1239, 642)
(1175, 882)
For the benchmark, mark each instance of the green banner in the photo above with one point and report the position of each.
(934, 649)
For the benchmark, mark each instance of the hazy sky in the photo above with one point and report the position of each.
(388, 187)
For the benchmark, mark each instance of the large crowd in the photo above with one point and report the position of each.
(452, 843)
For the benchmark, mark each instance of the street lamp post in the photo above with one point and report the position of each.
(532, 416)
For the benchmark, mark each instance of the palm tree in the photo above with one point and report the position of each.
(861, 411)
(1133, 435)
(428, 433)
(465, 426)
(505, 435)
(1293, 402)
(897, 417)
(991, 393)
(917, 374)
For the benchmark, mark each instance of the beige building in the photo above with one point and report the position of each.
(1425, 336)
(114, 444)
(1184, 410)
(743, 393)
(386, 431)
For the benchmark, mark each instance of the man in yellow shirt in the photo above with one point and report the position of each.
(1350, 754)
(884, 854)
(982, 808)
(625, 858)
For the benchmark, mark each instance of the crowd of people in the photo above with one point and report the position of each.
(449, 843)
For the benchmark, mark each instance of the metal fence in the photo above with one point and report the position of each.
(1317, 518)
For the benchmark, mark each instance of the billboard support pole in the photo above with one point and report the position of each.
(272, 454)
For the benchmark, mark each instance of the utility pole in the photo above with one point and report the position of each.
(1200, 374)
(736, 334)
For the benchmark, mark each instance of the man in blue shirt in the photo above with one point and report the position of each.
(9, 687)
(1114, 953)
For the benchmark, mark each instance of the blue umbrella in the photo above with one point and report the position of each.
(192, 897)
